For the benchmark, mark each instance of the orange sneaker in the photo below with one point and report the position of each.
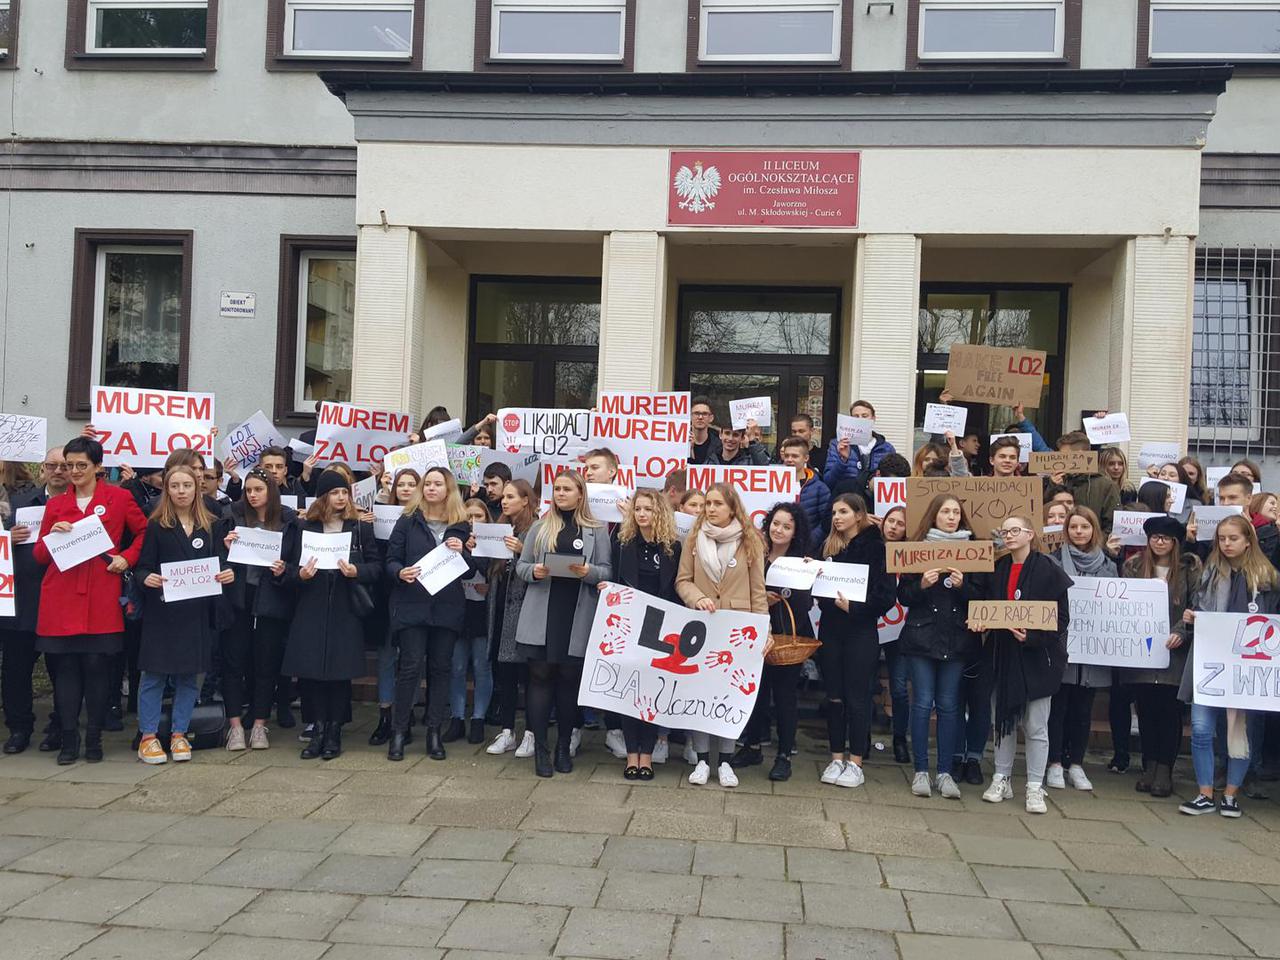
(179, 747)
(150, 751)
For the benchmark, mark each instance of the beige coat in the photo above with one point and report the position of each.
(741, 588)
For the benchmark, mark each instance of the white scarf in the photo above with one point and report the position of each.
(716, 546)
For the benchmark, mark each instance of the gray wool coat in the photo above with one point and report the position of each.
(532, 628)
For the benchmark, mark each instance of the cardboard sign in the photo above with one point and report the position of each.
(973, 556)
(441, 567)
(1127, 525)
(794, 573)
(246, 441)
(857, 430)
(944, 418)
(1052, 537)
(8, 596)
(449, 432)
(23, 439)
(1064, 461)
(87, 539)
(759, 487)
(647, 432)
(523, 464)
(1008, 614)
(358, 435)
(1024, 444)
(1234, 661)
(888, 492)
(759, 409)
(420, 457)
(1208, 518)
(986, 500)
(490, 539)
(464, 461)
(190, 579)
(1007, 376)
(1154, 454)
(1178, 492)
(671, 665)
(385, 516)
(849, 579)
(363, 493)
(1113, 428)
(1119, 622)
(142, 427)
(255, 547)
(327, 548)
(606, 499)
(547, 432)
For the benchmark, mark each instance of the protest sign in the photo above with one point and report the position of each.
(8, 597)
(385, 516)
(31, 518)
(1113, 428)
(996, 375)
(647, 432)
(967, 556)
(1119, 622)
(190, 579)
(857, 430)
(1208, 518)
(490, 539)
(835, 578)
(441, 567)
(86, 539)
(1153, 454)
(301, 448)
(1052, 537)
(1127, 525)
(358, 435)
(986, 500)
(23, 439)
(289, 500)
(560, 564)
(759, 487)
(142, 427)
(889, 627)
(606, 501)
(464, 461)
(888, 492)
(420, 457)
(1008, 614)
(1213, 474)
(256, 547)
(363, 493)
(759, 409)
(1235, 661)
(1024, 444)
(523, 464)
(246, 441)
(1177, 498)
(684, 523)
(793, 573)
(450, 431)
(326, 548)
(1064, 461)
(548, 432)
(669, 665)
(944, 418)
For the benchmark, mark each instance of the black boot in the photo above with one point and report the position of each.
(900, 752)
(331, 741)
(781, 768)
(455, 731)
(18, 741)
(284, 716)
(382, 732)
(475, 733)
(93, 746)
(395, 748)
(52, 740)
(564, 762)
(435, 746)
(315, 746)
(70, 751)
(541, 759)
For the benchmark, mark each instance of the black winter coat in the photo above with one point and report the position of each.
(862, 618)
(411, 605)
(27, 573)
(275, 596)
(626, 567)
(936, 616)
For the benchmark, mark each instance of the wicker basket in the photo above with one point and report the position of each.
(789, 648)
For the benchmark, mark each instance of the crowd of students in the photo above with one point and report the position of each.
(511, 624)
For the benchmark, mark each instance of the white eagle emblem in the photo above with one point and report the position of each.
(697, 187)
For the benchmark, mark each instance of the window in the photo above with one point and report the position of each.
(8, 33)
(991, 30)
(130, 312)
(315, 325)
(1243, 30)
(141, 34)
(769, 31)
(538, 30)
(349, 28)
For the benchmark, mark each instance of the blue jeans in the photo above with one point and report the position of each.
(387, 673)
(475, 650)
(935, 684)
(151, 699)
(1204, 721)
(899, 673)
(975, 695)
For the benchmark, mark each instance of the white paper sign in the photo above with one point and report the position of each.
(759, 409)
(647, 432)
(363, 493)
(1113, 428)
(450, 431)
(857, 430)
(945, 418)
(247, 440)
(289, 500)
(8, 596)
(1235, 660)
(489, 540)
(303, 450)
(1153, 454)
(604, 499)
(548, 432)
(684, 523)
(847, 578)
(358, 435)
(523, 464)
(240, 305)
(1024, 444)
(23, 439)
(327, 548)
(673, 666)
(794, 573)
(1179, 491)
(1208, 518)
(189, 579)
(1127, 525)
(889, 492)
(1119, 622)
(87, 539)
(759, 487)
(31, 518)
(142, 427)
(256, 547)
(420, 457)
(385, 516)
(889, 627)
(441, 567)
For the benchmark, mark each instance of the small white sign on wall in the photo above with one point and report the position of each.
(242, 305)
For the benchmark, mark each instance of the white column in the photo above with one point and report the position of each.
(387, 344)
(882, 351)
(632, 302)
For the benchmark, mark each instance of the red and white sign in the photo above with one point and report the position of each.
(759, 487)
(142, 427)
(889, 492)
(769, 188)
(551, 467)
(548, 432)
(8, 604)
(358, 436)
(648, 432)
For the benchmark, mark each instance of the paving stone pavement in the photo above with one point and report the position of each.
(263, 854)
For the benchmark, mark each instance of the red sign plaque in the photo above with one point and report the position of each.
(766, 188)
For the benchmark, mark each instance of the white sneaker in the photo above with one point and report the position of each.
(661, 751)
(504, 742)
(851, 776)
(920, 785)
(726, 776)
(1035, 799)
(1000, 789)
(615, 743)
(1077, 777)
(690, 754)
(525, 749)
(833, 771)
(1053, 777)
(575, 741)
(700, 774)
(947, 786)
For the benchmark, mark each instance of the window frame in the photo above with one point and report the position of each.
(99, 306)
(1146, 31)
(1060, 17)
(82, 360)
(1070, 33)
(484, 60)
(278, 60)
(1251, 435)
(80, 56)
(498, 7)
(761, 6)
(695, 43)
(294, 249)
(305, 258)
(9, 60)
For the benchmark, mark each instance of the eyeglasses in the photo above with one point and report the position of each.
(79, 467)
(702, 413)
(54, 467)
(1160, 536)
(1014, 531)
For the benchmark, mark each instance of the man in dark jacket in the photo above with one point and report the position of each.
(704, 444)
(851, 466)
(736, 451)
(815, 498)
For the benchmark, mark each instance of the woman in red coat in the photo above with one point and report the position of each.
(80, 617)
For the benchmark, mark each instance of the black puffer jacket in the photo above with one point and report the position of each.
(936, 615)
(862, 618)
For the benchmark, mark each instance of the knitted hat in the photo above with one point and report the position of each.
(329, 481)
(1163, 525)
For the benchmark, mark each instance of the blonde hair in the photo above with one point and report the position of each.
(552, 523)
(664, 522)
(454, 511)
(1258, 572)
(1037, 545)
(167, 514)
(754, 545)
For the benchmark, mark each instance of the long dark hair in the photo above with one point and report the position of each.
(930, 518)
(800, 540)
(836, 542)
(272, 516)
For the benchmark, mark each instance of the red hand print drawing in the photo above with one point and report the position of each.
(719, 658)
(647, 709)
(609, 647)
(616, 629)
(746, 682)
(621, 595)
(743, 636)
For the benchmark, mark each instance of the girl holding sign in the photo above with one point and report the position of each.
(506, 596)
(178, 636)
(325, 649)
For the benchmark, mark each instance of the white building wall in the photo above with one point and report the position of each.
(632, 344)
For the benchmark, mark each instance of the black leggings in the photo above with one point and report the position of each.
(1121, 698)
(848, 661)
(432, 646)
(782, 684)
(552, 682)
(87, 677)
(639, 735)
(1069, 715)
(252, 648)
(125, 663)
(506, 688)
(328, 701)
(1159, 720)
